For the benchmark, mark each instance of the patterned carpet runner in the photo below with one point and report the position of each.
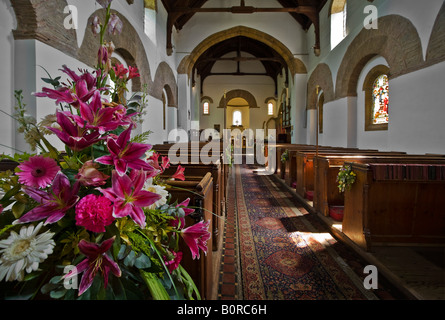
(285, 253)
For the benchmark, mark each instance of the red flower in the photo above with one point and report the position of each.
(179, 174)
(173, 264)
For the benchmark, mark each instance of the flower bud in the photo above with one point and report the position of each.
(89, 176)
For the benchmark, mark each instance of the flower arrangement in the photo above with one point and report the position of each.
(99, 210)
(345, 178)
(285, 156)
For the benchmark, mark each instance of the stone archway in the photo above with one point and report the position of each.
(396, 40)
(44, 21)
(295, 65)
(130, 44)
(246, 95)
(436, 46)
(165, 80)
(322, 77)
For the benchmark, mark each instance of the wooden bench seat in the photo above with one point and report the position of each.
(384, 210)
(326, 192)
(218, 203)
(305, 177)
(219, 172)
(199, 190)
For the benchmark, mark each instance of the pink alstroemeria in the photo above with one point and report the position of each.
(196, 237)
(133, 72)
(128, 197)
(184, 205)
(125, 154)
(153, 160)
(74, 136)
(97, 261)
(179, 174)
(53, 204)
(120, 71)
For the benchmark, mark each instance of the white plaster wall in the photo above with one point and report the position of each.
(418, 111)
(411, 129)
(371, 139)
(7, 23)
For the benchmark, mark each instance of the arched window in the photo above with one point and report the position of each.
(270, 109)
(376, 87)
(206, 108)
(338, 22)
(380, 100)
(320, 112)
(237, 118)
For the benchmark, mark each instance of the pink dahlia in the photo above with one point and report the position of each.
(38, 171)
(94, 213)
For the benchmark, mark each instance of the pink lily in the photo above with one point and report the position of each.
(82, 89)
(98, 117)
(74, 136)
(53, 205)
(196, 237)
(128, 197)
(125, 154)
(96, 261)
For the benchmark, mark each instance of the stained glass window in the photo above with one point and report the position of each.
(380, 100)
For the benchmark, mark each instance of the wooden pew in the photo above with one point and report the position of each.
(218, 206)
(305, 166)
(219, 172)
(326, 192)
(290, 172)
(404, 207)
(199, 190)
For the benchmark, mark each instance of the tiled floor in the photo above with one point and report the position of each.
(229, 286)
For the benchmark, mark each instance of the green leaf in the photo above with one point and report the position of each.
(155, 286)
(130, 259)
(142, 262)
(57, 294)
(190, 284)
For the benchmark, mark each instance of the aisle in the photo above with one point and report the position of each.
(275, 250)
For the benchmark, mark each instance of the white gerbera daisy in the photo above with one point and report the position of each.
(24, 251)
(160, 190)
